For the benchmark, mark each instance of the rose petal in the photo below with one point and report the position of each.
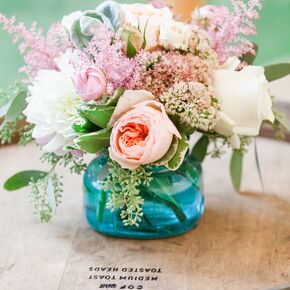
(127, 101)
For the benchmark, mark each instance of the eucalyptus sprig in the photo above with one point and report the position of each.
(123, 185)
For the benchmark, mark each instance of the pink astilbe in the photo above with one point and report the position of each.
(106, 49)
(229, 28)
(158, 71)
(158, 4)
(38, 51)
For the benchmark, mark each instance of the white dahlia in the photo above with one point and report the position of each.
(52, 107)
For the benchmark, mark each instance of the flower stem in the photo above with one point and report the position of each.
(101, 205)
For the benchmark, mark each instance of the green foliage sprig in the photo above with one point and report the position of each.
(123, 185)
(46, 187)
(73, 163)
(11, 131)
(12, 105)
(46, 195)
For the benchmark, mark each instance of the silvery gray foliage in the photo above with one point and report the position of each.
(83, 29)
(112, 10)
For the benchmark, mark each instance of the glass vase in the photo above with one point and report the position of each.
(173, 203)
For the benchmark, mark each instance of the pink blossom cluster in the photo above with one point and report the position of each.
(158, 71)
(106, 50)
(228, 28)
(158, 4)
(38, 51)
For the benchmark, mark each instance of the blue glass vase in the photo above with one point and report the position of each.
(173, 203)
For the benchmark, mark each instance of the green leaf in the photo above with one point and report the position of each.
(199, 150)
(94, 142)
(131, 50)
(17, 106)
(23, 178)
(144, 34)
(181, 127)
(113, 100)
(171, 203)
(99, 114)
(170, 153)
(4, 109)
(283, 121)
(277, 71)
(78, 38)
(236, 168)
(112, 11)
(85, 127)
(178, 157)
(249, 58)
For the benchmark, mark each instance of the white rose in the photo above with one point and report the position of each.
(244, 98)
(175, 34)
(68, 20)
(147, 18)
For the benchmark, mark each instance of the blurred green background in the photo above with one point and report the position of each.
(273, 28)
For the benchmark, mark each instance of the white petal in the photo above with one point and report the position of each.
(236, 142)
(55, 144)
(231, 64)
(225, 126)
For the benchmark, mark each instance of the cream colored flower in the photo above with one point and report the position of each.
(147, 18)
(244, 99)
(175, 34)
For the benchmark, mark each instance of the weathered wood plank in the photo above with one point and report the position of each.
(243, 241)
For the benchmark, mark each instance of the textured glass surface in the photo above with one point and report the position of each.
(173, 204)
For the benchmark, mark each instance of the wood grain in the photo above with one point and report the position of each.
(243, 241)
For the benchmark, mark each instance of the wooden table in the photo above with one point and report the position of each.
(243, 241)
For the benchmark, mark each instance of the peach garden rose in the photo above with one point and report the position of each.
(143, 134)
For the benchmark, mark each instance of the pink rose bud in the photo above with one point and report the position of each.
(91, 84)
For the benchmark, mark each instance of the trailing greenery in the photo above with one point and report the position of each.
(46, 187)
(14, 130)
(46, 195)
(219, 147)
(46, 192)
(281, 125)
(25, 134)
(8, 132)
(73, 163)
(12, 121)
(123, 185)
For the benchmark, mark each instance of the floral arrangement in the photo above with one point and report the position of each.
(133, 82)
